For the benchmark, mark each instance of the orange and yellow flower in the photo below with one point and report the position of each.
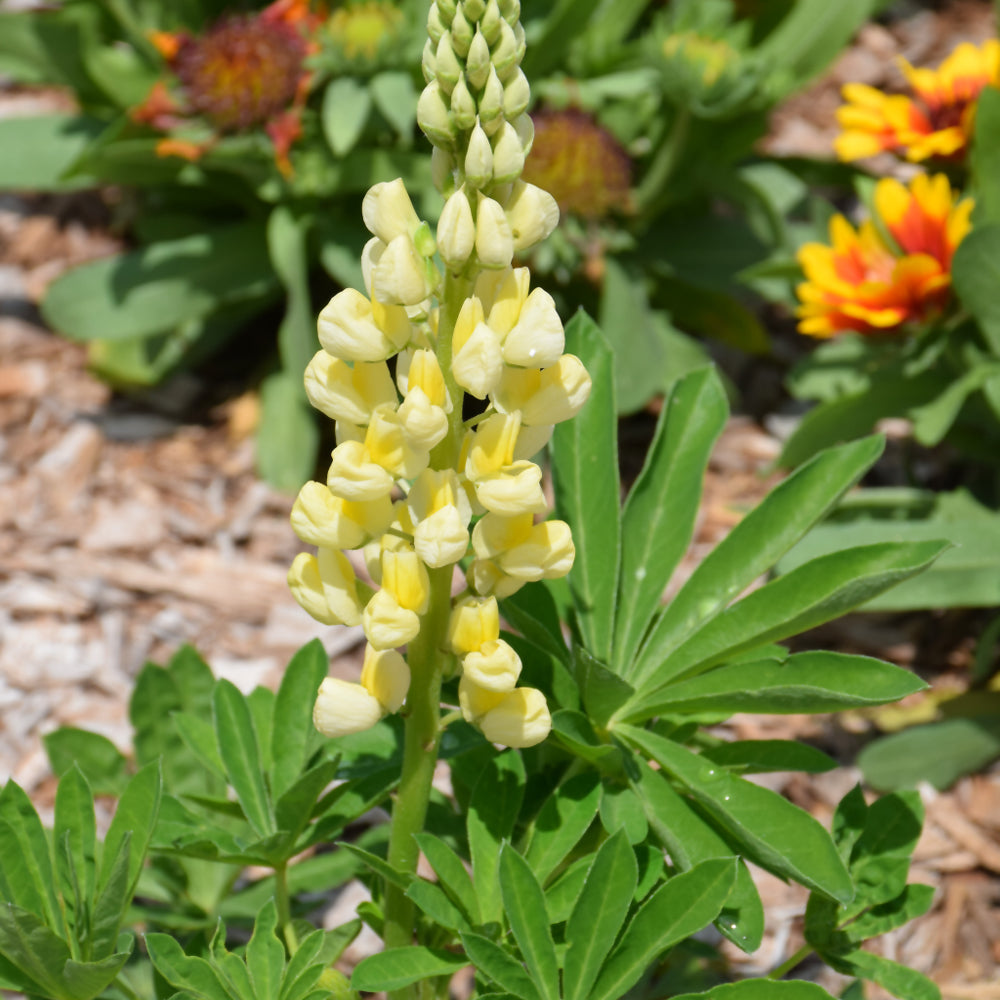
(936, 122)
(874, 284)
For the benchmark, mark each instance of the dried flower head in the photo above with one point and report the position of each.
(580, 162)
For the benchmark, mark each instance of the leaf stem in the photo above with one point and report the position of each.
(282, 901)
(782, 970)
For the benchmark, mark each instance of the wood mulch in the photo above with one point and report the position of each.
(128, 528)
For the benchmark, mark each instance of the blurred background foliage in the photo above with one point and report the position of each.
(237, 141)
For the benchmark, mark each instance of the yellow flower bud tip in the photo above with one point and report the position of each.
(532, 215)
(442, 538)
(355, 329)
(398, 274)
(494, 666)
(386, 675)
(508, 156)
(516, 96)
(433, 115)
(340, 585)
(354, 476)
(520, 720)
(479, 159)
(489, 23)
(514, 490)
(494, 534)
(388, 212)
(463, 105)
(346, 392)
(424, 424)
(307, 588)
(547, 554)
(537, 339)
(456, 231)
(494, 237)
(386, 624)
(503, 293)
(388, 446)
(492, 447)
(477, 62)
(478, 364)
(476, 701)
(405, 577)
(343, 707)
(491, 104)
(423, 371)
(473, 623)
(447, 68)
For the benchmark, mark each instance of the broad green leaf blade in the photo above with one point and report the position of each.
(85, 980)
(380, 866)
(493, 808)
(396, 99)
(816, 592)
(880, 858)
(31, 946)
(680, 908)
(184, 972)
(761, 756)
(597, 918)
(74, 835)
(561, 822)
(198, 735)
(755, 545)
(135, 818)
(621, 809)
(395, 968)
(496, 964)
(899, 980)
(437, 906)
(266, 954)
(561, 896)
(776, 834)
(240, 752)
(33, 880)
(533, 612)
(161, 286)
(102, 763)
(288, 437)
(451, 873)
(975, 270)
(690, 839)
(659, 513)
(762, 989)
(346, 105)
(939, 752)
(603, 692)
(303, 968)
(39, 150)
(294, 809)
(585, 472)
(293, 737)
(804, 682)
(524, 904)
(914, 901)
(287, 244)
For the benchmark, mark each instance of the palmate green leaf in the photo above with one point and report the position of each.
(939, 752)
(38, 151)
(680, 908)
(74, 837)
(804, 682)
(452, 875)
(776, 834)
(599, 913)
(27, 867)
(880, 858)
(761, 756)
(102, 763)
(347, 103)
(395, 968)
(524, 905)
(690, 839)
(659, 513)
(240, 752)
(184, 972)
(160, 286)
(762, 989)
(563, 820)
(293, 737)
(266, 954)
(816, 592)
(755, 545)
(502, 968)
(914, 901)
(493, 809)
(585, 472)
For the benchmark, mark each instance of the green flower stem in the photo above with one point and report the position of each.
(800, 956)
(282, 900)
(427, 661)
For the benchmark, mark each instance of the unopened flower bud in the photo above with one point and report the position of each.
(386, 675)
(525, 129)
(461, 34)
(399, 276)
(494, 238)
(511, 10)
(456, 232)
(323, 519)
(537, 338)
(388, 212)
(447, 8)
(492, 445)
(428, 63)
(447, 68)
(478, 158)
(516, 95)
(489, 23)
(504, 55)
(508, 156)
(491, 103)
(348, 392)
(494, 666)
(531, 213)
(442, 170)
(355, 329)
(433, 115)
(473, 9)
(474, 621)
(436, 26)
(343, 707)
(477, 62)
(463, 105)
(340, 585)
(387, 624)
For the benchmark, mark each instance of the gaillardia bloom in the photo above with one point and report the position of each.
(580, 162)
(863, 282)
(936, 121)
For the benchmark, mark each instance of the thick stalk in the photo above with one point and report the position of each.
(283, 902)
(427, 660)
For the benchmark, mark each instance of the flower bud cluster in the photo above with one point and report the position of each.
(411, 490)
